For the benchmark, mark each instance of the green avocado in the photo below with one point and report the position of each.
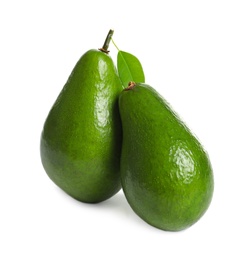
(81, 139)
(166, 174)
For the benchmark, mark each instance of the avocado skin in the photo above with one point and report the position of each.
(81, 138)
(166, 174)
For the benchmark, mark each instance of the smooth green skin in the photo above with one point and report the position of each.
(166, 175)
(81, 140)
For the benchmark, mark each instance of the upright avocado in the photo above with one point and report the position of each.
(81, 139)
(166, 174)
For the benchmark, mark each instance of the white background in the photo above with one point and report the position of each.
(197, 54)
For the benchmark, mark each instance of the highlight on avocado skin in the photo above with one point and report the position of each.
(109, 129)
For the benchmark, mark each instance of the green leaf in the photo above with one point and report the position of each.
(129, 68)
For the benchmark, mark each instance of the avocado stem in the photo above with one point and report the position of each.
(131, 85)
(107, 42)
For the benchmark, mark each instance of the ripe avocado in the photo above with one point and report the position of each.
(166, 174)
(81, 139)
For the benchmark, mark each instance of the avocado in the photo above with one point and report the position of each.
(81, 138)
(166, 174)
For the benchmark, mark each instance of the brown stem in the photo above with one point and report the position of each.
(107, 42)
(131, 85)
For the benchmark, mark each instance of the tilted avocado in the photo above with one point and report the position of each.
(81, 139)
(166, 174)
